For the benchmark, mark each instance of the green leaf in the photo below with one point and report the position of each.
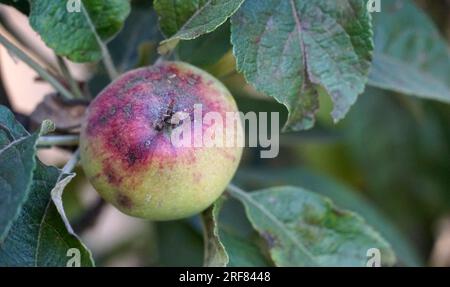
(173, 14)
(342, 195)
(241, 241)
(411, 57)
(287, 49)
(141, 27)
(179, 244)
(399, 147)
(215, 254)
(242, 251)
(207, 49)
(21, 5)
(187, 20)
(17, 155)
(38, 237)
(69, 33)
(302, 228)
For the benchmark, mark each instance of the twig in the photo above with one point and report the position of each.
(36, 67)
(233, 189)
(63, 140)
(11, 32)
(70, 165)
(107, 59)
(68, 76)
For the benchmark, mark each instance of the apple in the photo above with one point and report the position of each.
(126, 145)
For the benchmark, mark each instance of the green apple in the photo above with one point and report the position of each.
(127, 148)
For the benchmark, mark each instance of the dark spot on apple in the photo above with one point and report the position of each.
(128, 111)
(197, 177)
(124, 201)
(131, 158)
(110, 175)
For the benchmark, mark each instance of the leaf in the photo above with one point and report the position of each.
(287, 49)
(173, 14)
(187, 20)
(237, 235)
(179, 244)
(215, 254)
(38, 237)
(206, 49)
(342, 195)
(243, 252)
(56, 194)
(141, 27)
(17, 155)
(21, 5)
(407, 163)
(302, 228)
(69, 33)
(411, 57)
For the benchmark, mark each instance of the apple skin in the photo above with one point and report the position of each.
(131, 161)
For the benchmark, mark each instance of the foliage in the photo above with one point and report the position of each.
(307, 59)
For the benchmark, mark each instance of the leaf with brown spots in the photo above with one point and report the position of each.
(302, 228)
(289, 49)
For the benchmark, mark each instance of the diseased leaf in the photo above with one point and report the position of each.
(38, 237)
(411, 57)
(302, 228)
(342, 195)
(215, 254)
(187, 20)
(287, 49)
(21, 5)
(18, 150)
(69, 33)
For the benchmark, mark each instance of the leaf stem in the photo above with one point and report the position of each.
(235, 190)
(71, 163)
(64, 140)
(36, 67)
(107, 59)
(68, 76)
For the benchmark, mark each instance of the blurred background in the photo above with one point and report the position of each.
(389, 160)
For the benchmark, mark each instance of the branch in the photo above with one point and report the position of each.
(107, 59)
(70, 165)
(68, 76)
(36, 67)
(64, 140)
